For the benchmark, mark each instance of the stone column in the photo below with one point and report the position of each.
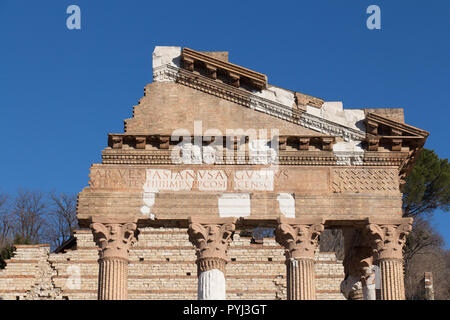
(300, 238)
(388, 238)
(359, 282)
(427, 282)
(211, 237)
(368, 283)
(114, 240)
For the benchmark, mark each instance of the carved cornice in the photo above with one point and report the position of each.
(374, 123)
(304, 99)
(235, 73)
(114, 239)
(211, 238)
(139, 141)
(388, 238)
(394, 159)
(326, 126)
(349, 158)
(299, 237)
(385, 133)
(132, 155)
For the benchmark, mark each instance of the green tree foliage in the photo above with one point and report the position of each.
(427, 189)
(7, 251)
(427, 186)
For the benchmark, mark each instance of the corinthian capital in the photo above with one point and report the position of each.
(299, 236)
(388, 237)
(114, 239)
(211, 238)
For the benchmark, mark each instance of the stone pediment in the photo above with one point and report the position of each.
(250, 89)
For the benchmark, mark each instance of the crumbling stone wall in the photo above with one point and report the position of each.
(162, 266)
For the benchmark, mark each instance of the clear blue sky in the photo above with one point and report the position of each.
(62, 91)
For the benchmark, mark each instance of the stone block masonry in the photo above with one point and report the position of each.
(162, 266)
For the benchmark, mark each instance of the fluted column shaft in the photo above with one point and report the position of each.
(114, 240)
(388, 238)
(392, 279)
(211, 238)
(300, 279)
(300, 239)
(211, 279)
(113, 279)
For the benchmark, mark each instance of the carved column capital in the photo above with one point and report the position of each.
(299, 237)
(114, 239)
(388, 237)
(211, 238)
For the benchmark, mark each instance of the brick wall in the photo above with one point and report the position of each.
(162, 266)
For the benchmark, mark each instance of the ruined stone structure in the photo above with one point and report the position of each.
(161, 266)
(212, 149)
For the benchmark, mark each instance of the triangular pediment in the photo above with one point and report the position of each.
(217, 77)
(168, 107)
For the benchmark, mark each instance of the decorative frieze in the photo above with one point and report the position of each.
(355, 180)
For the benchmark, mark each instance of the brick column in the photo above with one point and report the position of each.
(211, 238)
(114, 240)
(300, 239)
(388, 238)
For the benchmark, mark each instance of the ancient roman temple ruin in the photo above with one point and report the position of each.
(213, 149)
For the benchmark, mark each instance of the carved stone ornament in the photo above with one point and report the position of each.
(114, 239)
(211, 241)
(299, 240)
(388, 239)
(358, 252)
